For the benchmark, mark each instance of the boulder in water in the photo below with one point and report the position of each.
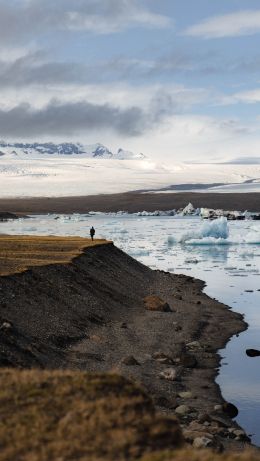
(252, 353)
(230, 410)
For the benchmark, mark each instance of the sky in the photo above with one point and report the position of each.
(175, 80)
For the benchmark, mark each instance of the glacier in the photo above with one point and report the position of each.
(74, 169)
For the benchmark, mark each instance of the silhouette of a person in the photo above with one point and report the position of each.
(92, 233)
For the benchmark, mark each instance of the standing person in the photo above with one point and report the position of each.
(92, 233)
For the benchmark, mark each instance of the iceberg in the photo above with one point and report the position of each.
(210, 231)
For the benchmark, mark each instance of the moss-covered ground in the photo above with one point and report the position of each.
(18, 253)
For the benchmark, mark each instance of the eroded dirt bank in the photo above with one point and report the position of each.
(90, 315)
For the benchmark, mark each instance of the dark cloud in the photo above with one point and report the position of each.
(71, 118)
(36, 69)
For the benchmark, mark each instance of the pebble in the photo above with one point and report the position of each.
(165, 361)
(170, 374)
(194, 344)
(6, 325)
(218, 407)
(185, 395)
(130, 361)
(202, 442)
(195, 426)
(182, 410)
(162, 358)
(239, 433)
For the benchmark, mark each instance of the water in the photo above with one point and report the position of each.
(230, 265)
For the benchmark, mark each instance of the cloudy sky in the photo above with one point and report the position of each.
(176, 80)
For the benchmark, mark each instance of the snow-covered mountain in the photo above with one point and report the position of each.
(35, 150)
(48, 169)
(127, 155)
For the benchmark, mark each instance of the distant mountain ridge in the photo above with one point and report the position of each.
(69, 149)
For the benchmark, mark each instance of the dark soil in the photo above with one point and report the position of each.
(132, 202)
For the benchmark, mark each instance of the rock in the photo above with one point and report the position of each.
(185, 395)
(182, 410)
(252, 353)
(188, 360)
(239, 433)
(170, 374)
(95, 338)
(162, 358)
(195, 426)
(165, 361)
(232, 429)
(130, 361)
(202, 442)
(218, 407)
(230, 410)
(191, 435)
(123, 325)
(178, 328)
(6, 325)
(208, 442)
(222, 421)
(154, 303)
(194, 345)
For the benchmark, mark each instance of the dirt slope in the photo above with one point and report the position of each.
(90, 314)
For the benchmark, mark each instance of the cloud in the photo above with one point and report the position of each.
(109, 16)
(191, 137)
(244, 97)
(246, 22)
(37, 68)
(244, 161)
(58, 118)
(80, 109)
(27, 19)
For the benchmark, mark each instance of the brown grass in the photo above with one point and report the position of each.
(75, 416)
(18, 253)
(67, 416)
(201, 455)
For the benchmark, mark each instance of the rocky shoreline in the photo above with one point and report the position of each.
(106, 312)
